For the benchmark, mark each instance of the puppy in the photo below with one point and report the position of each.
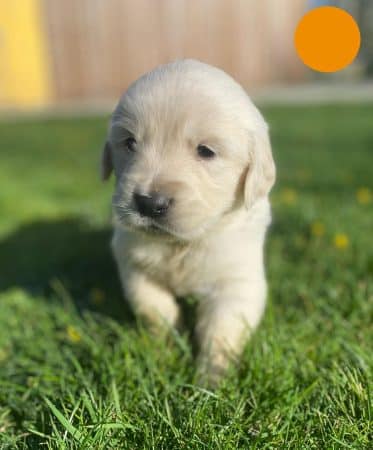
(193, 167)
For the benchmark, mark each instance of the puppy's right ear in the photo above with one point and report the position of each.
(262, 173)
(106, 162)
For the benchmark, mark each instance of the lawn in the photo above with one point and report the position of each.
(77, 372)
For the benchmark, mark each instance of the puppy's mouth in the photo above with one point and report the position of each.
(156, 228)
(131, 219)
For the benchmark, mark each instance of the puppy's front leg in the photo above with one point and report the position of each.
(224, 323)
(149, 300)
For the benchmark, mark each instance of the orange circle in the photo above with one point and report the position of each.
(327, 39)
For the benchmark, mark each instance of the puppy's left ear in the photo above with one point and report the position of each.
(106, 162)
(262, 172)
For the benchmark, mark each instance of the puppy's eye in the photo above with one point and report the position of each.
(205, 152)
(130, 144)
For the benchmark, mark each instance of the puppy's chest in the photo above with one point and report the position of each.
(182, 269)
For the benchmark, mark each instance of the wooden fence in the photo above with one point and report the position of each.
(79, 50)
(95, 48)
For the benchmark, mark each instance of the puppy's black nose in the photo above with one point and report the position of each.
(151, 205)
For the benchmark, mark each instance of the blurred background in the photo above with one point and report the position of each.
(86, 52)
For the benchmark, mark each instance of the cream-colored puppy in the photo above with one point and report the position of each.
(193, 167)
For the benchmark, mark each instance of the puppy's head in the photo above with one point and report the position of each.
(187, 146)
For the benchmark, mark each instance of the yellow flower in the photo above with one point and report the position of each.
(30, 381)
(341, 241)
(289, 196)
(364, 196)
(3, 355)
(318, 229)
(73, 334)
(97, 296)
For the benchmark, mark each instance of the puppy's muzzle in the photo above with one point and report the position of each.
(153, 205)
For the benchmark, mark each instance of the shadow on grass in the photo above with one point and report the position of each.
(66, 252)
(69, 253)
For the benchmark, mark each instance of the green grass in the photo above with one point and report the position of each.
(77, 372)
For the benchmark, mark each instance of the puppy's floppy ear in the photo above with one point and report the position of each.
(262, 172)
(106, 162)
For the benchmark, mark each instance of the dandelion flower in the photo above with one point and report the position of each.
(364, 196)
(3, 354)
(341, 241)
(73, 334)
(318, 229)
(289, 196)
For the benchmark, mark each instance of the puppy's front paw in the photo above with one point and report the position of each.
(157, 325)
(212, 367)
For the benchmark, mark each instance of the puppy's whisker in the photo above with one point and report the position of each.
(122, 212)
(120, 205)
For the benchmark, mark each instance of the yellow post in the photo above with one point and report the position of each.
(24, 67)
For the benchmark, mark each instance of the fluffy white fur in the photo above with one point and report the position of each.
(211, 242)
